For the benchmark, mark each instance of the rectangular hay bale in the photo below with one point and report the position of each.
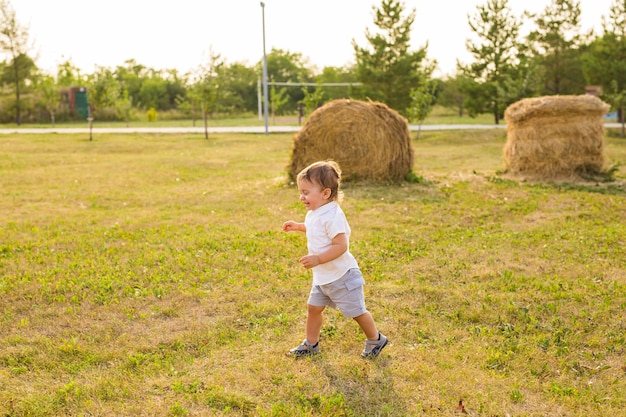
(555, 136)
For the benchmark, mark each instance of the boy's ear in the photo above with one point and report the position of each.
(327, 193)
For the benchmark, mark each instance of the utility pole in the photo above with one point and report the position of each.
(264, 71)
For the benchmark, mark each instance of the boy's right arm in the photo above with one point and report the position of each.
(290, 226)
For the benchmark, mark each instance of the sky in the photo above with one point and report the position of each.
(181, 34)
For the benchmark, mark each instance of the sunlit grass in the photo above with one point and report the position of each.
(148, 275)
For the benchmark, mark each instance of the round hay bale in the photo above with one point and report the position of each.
(368, 140)
(555, 137)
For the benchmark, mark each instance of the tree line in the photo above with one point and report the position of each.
(555, 57)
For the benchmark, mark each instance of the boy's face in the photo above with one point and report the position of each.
(312, 195)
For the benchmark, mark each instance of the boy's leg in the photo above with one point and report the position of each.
(366, 321)
(376, 341)
(313, 328)
(314, 323)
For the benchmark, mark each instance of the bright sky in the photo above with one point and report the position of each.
(165, 34)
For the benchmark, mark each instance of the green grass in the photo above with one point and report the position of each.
(148, 275)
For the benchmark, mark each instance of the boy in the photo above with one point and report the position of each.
(337, 280)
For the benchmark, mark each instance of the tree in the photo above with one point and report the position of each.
(14, 41)
(50, 95)
(102, 91)
(556, 45)
(153, 92)
(345, 80)
(206, 87)
(287, 67)
(617, 98)
(604, 62)
(278, 100)
(68, 75)
(174, 87)
(21, 73)
(124, 106)
(452, 94)
(150, 88)
(131, 76)
(312, 99)
(387, 68)
(423, 99)
(494, 59)
(238, 84)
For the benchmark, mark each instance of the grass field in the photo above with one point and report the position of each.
(147, 275)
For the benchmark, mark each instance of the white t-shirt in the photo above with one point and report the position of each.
(322, 225)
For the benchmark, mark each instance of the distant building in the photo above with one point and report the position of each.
(79, 105)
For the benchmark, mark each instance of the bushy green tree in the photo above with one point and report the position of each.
(238, 84)
(153, 92)
(556, 47)
(387, 67)
(150, 88)
(492, 87)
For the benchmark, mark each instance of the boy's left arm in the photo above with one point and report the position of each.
(337, 248)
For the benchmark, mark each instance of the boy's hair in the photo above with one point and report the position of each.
(326, 174)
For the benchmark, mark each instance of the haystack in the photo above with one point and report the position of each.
(367, 139)
(555, 137)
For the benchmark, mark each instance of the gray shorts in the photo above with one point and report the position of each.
(345, 294)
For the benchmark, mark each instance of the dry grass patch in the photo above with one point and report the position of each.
(148, 275)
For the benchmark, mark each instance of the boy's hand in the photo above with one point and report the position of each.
(290, 226)
(310, 261)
